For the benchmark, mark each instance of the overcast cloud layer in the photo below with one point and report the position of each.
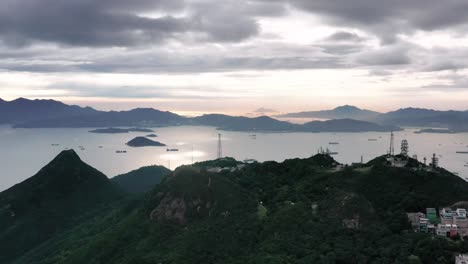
(204, 49)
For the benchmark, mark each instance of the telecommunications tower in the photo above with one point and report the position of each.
(220, 147)
(391, 151)
(404, 147)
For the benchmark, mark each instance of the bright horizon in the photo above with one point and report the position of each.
(289, 56)
(125, 106)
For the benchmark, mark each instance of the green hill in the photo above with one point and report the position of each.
(57, 196)
(298, 211)
(141, 180)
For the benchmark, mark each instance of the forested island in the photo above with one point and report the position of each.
(144, 142)
(114, 130)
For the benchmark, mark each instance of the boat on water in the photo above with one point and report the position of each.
(372, 139)
(462, 152)
(253, 136)
(333, 143)
(121, 151)
(55, 145)
(172, 150)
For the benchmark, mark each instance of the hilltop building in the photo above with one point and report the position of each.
(457, 218)
(450, 223)
(435, 161)
(461, 259)
(432, 215)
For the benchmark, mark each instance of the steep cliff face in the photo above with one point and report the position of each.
(170, 209)
(189, 194)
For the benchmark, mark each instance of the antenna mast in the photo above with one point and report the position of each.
(404, 147)
(220, 147)
(392, 145)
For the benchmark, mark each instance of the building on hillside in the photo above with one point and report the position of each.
(455, 217)
(421, 223)
(415, 218)
(461, 259)
(425, 226)
(450, 223)
(446, 216)
(447, 230)
(431, 214)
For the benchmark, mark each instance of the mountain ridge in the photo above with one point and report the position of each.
(59, 194)
(340, 112)
(148, 117)
(24, 113)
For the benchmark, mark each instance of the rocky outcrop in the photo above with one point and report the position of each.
(170, 209)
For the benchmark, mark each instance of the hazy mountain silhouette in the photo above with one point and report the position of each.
(419, 117)
(341, 112)
(23, 110)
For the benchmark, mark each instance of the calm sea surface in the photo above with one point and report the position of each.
(25, 151)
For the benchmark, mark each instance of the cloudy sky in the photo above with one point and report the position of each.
(236, 55)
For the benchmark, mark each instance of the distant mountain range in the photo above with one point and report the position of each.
(456, 121)
(23, 110)
(417, 117)
(24, 113)
(341, 112)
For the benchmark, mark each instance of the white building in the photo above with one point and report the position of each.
(461, 259)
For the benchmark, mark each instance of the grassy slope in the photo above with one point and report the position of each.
(141, 180)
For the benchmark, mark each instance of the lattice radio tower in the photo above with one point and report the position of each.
(220, 147)
(392, 144)
(404, 147)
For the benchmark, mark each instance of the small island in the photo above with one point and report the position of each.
(144, 142)
(113, 130)
(152, 136)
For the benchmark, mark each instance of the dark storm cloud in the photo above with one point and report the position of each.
(86, 22)
(214, 64)
(122, 22)
(385, 57)
(208, 58)
(95, 28)
(421, 14)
